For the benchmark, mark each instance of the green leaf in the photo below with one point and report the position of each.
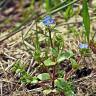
(44, 76)
(74, 64)
(37, 54)
(68, 12)
(60, 83)
(25, 79)
(49, 4)
(47, 91)
(70, 93)
(18, 71)
(64, 86)
(54, 52)
(65, 55)
(86, 19)
(34, 80)
(16, 65)
(49, 62)
(59, 41)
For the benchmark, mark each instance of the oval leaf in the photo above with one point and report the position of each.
(43, 76)
(48, 62)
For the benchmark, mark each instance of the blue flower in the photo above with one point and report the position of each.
(48, 21)
(81, 46)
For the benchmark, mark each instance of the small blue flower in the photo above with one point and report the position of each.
(81, 46)
(48, 21)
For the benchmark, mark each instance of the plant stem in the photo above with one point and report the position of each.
(53, 77)
(50, 38)
(37, 38)
(62, 94)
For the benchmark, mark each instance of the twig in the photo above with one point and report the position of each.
(30, 65)
(9, 57)
(30, 46)
(9, 66)
(7, 81)
(33, 91)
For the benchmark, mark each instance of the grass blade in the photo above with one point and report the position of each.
(86, 19)
(59, 5)
(62, 7)
(48, 5)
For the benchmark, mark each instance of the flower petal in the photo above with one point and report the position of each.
(81, 46)
(48, 21)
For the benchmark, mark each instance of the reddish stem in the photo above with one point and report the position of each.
(53, 77)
